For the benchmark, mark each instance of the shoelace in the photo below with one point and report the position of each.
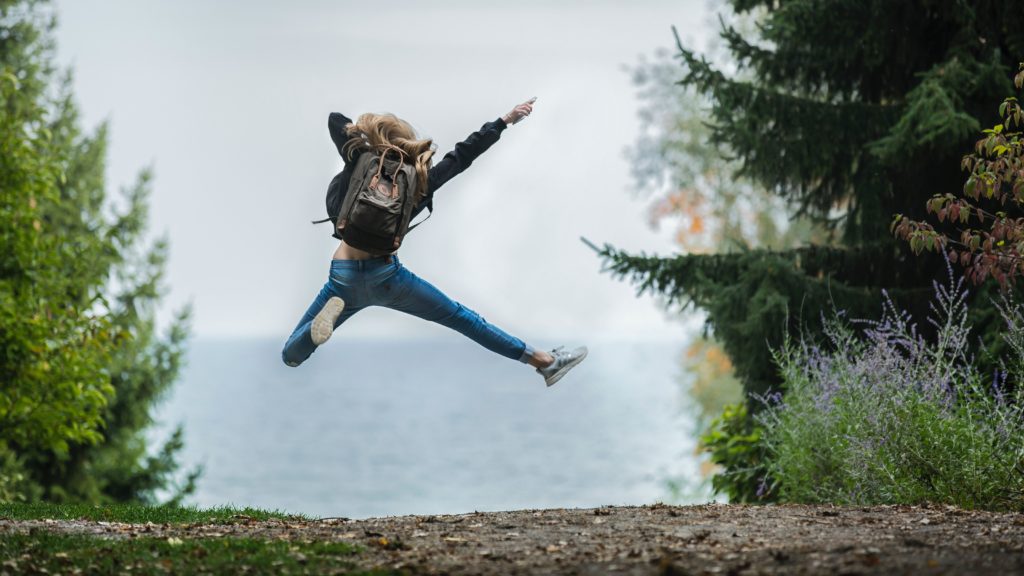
(559, 354)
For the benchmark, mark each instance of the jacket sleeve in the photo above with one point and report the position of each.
(460, 158)
(336, 123)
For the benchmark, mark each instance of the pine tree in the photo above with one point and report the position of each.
(850, 111)
(695, 188)
(81, 363)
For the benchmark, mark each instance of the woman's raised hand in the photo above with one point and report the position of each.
(519, 112)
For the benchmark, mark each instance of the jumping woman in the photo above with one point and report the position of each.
(388, 179)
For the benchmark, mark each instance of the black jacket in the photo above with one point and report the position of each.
(450, 166)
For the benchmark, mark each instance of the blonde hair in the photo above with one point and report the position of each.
(382, 131)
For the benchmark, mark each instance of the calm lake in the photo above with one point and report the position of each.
(375, 428)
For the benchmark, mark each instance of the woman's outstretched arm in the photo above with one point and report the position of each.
(468, 150)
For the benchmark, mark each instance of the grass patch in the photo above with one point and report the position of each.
(41, 551)
(136, 514)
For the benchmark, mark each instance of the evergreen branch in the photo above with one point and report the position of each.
(756, 298)
(933, 115)
(776, 135)
(746, 54)
(590, 245)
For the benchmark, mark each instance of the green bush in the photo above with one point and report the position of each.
(735, 443)
(81, 361)
(885, 416)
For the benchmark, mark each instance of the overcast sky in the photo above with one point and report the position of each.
(228, 102)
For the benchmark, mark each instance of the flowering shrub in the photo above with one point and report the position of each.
(882, 415)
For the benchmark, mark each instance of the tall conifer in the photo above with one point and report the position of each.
(81, 361)
(851, 111)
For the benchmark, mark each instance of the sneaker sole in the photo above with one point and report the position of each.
(558, 375)
(323, 322)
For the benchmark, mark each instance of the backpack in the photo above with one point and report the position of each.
(374, 213)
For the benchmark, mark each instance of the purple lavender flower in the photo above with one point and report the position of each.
(882, 414)
(762, 487)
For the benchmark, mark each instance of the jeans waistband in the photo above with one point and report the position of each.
(368, 264)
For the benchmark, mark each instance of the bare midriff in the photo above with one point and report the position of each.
(346, 252)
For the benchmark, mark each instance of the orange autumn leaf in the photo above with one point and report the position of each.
(696, 225)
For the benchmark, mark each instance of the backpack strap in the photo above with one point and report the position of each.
(430, 212)
(394, 178)
(380, 167)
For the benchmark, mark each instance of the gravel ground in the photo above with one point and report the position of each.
(659, 539)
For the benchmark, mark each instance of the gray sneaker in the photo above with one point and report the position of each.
(323, 322)
(564, 361)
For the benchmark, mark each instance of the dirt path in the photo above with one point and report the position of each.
(710, 539)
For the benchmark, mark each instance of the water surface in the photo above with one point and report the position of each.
(373, 428)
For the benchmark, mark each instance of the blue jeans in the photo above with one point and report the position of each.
(385, 282)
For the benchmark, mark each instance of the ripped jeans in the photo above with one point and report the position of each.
(385, 282)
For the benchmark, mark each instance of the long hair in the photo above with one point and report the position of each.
(382, 131)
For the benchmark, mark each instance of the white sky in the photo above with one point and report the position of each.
(228, 101)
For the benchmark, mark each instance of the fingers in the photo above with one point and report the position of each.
(521, 111)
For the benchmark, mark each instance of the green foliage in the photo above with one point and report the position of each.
(54, 346)
(15, 485)
(80, 362)
(982, 227)
(754, 298)
(54, 349)
(695, 187)
(852, 103)
(137, 513)
(849, 111)
(43, 552)
(691, 182)
(734, 442)
(934, 115)
(887, 417)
